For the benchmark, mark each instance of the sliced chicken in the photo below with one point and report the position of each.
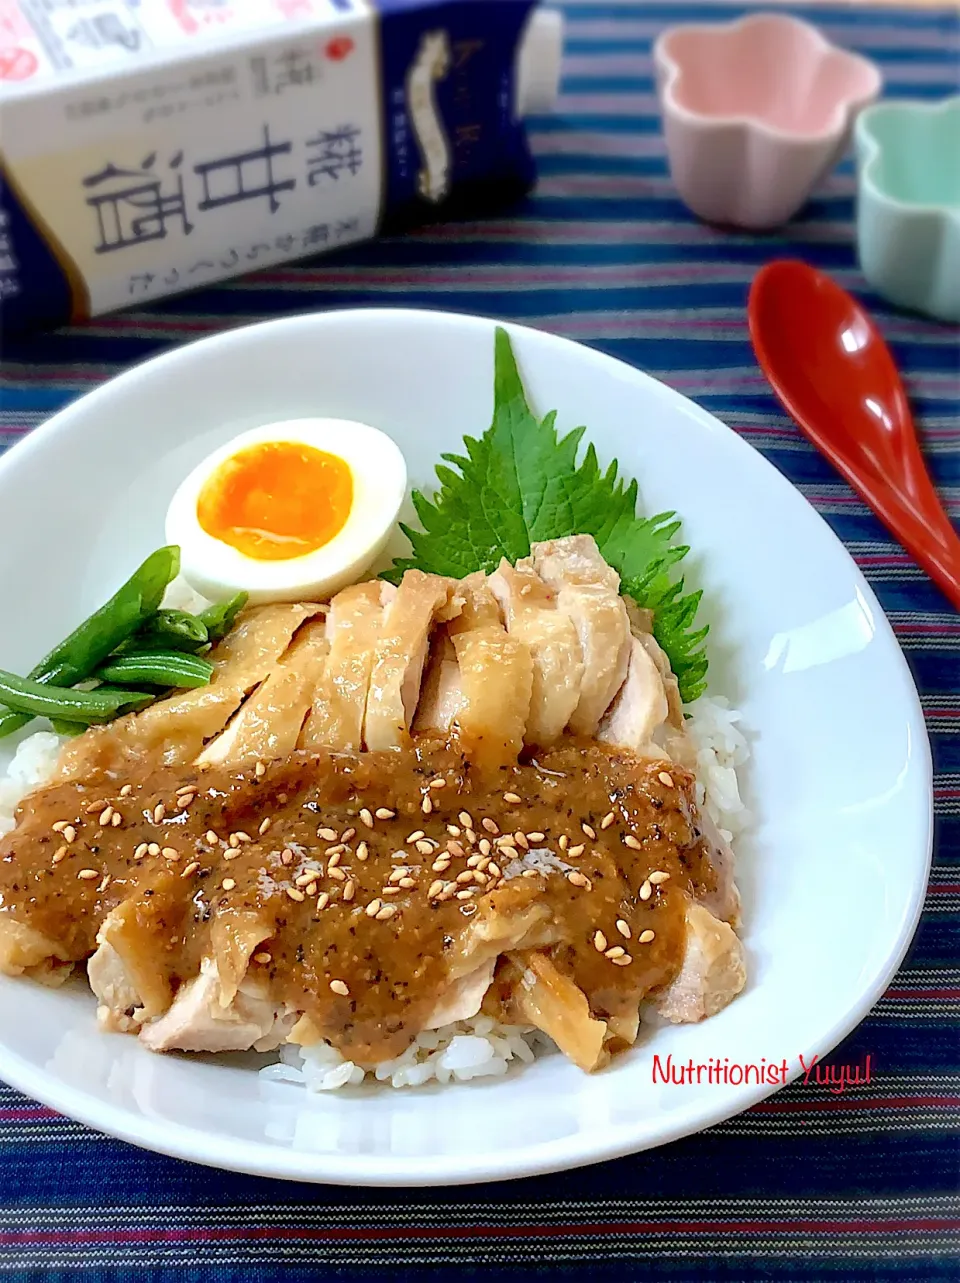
(495, 678)
(26, 951)
(118, 1000)
(400, 654)
(640, 707)
(588, 592)
(268, 725)
(353, 625)
(712, 974)
(198, 1020)
(724, 900)
(544, 997)
(532, 617)
(441, 699)
(464, 997)
(177, 728)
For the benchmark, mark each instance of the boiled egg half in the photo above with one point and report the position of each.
(289, 511)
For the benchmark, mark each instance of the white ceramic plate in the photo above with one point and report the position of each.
(834, 872)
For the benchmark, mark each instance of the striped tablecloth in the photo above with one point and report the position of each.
(807, 1185)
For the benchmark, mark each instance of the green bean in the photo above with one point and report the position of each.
(219, 618)
(26, 696)
(78, 655)
(171, 630)
(157, 668)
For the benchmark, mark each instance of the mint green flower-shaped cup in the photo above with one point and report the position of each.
(908, 195)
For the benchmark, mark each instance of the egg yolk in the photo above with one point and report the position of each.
(277, 500)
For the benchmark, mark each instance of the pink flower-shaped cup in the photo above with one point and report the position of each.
(755, 112)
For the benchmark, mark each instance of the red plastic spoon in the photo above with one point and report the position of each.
(834, 374)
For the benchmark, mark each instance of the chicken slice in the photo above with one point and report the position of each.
(544, 997)
(532, 617)
(353, 626)
(400, 654)
(495, 677)
(177, 728)
(724, 901)
(269, 723)
(26, 951)
(463, 998)
(119, 1004)
(712, 973)
(199, 1021)
(640, 707)
(442, 696)
(588, 592)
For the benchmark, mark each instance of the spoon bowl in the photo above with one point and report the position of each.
(835, 375)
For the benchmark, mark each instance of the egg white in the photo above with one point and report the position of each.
(379, 473)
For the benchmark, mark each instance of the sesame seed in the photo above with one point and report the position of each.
(59, 826)
(190, 869)
(242, 837)
(384, 813)
(426, 806)
(366, 817)
(230, 855)
(599, 941)
(616, 952)
(646, 936)
(228, 884)
(438, 783)
(304, 879)
(286, 856)
(170, 853)
(456, 848)
(373, 908)
(623, 961)
(106, 815)
(564, 842)
(337, 874)
(407, 883)
(296, 894)
(311, 888)
(59, 854)
(512, 798)
(87, 875)
(493, 870)
(348, 891)
(425, 847)
(464, 877)
(141, 851)
(233, 840)
(327, 835)
(666, 779)
(323, 899)
(440, 865)
(260, 770)
(69, 834)
(435, 888)
(211, 838)
(126, 790)
(453, 830)
(506, 840)
(390, 890)
(347, 834)
(153, 848)
(646, 891)
(607, 820)
(262, 957)
(633, 843)
(398, 873)
(104, 883)
(185, 799)
(475, 860)
(92, 808)
(490, 825)
(624, 928)
(334, 860)
(659, 877)
(362, 851)
(470, 835)
(484, 846)
(466, 895)
(386, 912)
(159, 811)
(576, 850)
(590, 832)
(534, 873)
(535, 836)
(264, 825)
(116, 819)
(578, 879)
(465, 819)
(339, 987)
(416, 835)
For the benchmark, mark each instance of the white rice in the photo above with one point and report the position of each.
(477, 1048)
